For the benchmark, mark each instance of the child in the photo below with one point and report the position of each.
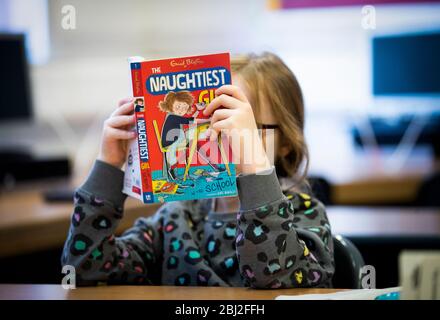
(271, 236)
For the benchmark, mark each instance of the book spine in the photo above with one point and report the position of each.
(141, 130)
(136, 79)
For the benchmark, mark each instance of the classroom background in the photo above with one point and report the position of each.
(370, 75)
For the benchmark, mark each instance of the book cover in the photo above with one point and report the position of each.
(171, 158)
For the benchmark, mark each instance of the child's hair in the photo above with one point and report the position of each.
(267, 76)
(138, 100)
(167, 104)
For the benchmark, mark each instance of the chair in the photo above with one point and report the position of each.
(165, 168)
(201, 127)
(321, 189)
(197, 129)
(348, 264)
(429, 191)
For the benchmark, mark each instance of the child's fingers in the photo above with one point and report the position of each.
(119, 134)
(222, 125)
(233, 91)
(126, 108)
(217, 127)
(120, 121)
(221, 101)
(213, 134)
(221, 114)
(124, 101)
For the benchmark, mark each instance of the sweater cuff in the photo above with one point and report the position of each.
(256, 190)
(105, 181)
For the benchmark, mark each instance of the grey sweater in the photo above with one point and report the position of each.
(276, 240)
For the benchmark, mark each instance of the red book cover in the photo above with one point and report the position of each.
(171, 158)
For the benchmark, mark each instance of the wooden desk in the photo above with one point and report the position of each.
(29, 224)
(377, 190)
(363, 176)
(56, 292)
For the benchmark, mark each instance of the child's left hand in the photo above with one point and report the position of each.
(232, 113)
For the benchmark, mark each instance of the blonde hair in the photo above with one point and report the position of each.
(184, 96)
(267, 76)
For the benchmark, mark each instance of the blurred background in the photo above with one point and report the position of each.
(370, 74)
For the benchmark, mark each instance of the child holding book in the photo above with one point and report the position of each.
(272, 235)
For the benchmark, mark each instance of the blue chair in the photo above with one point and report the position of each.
(348, 264)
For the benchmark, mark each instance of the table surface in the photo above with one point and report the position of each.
(56, 292)
(29, 224)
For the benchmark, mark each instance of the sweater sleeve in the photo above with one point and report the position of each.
(91, 246)
(283, 241)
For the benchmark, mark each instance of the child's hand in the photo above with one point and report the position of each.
(232, 112)
(116, 132)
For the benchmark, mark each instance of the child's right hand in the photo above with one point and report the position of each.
(116, 133)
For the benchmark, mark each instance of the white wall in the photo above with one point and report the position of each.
(330, 51)
(113, 27)
(327, 48)
(88, 71)
(32, 18)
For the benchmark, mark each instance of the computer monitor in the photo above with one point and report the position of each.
(15, 96)
(406, 65)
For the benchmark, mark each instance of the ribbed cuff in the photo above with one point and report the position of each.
(106, 181)
(256, 190)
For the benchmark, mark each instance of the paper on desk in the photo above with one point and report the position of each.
(357, 294)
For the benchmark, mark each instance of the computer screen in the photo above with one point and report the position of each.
(407, 64)
(15, 98)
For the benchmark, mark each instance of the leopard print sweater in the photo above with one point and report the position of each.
(276, 240)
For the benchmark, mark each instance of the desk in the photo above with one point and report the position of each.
(56, 292)
(362, 176)
(28, 224)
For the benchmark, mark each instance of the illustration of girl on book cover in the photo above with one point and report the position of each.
(176, 105)
(174, 140)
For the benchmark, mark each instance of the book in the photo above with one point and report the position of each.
(171, 158)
